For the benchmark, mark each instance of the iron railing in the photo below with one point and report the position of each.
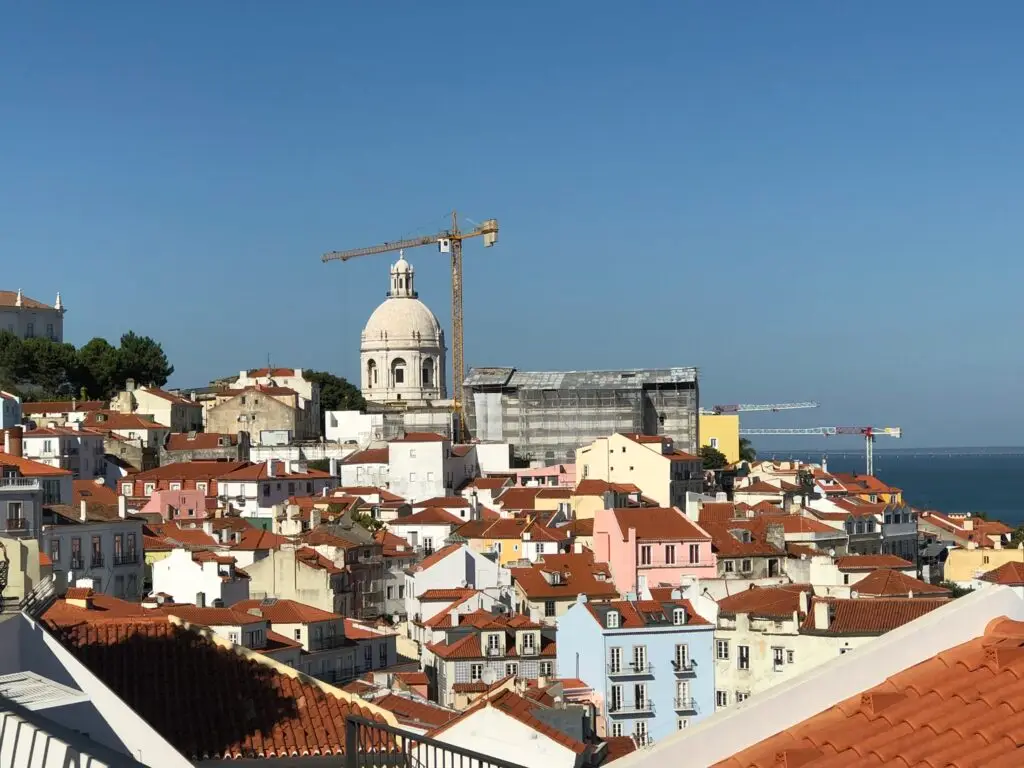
(129, 558)
(16, 523)
(683, 666)
(77, 563)
(685, 705)
(96, 561)
(376, 745)
(631, 669)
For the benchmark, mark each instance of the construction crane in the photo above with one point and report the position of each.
(869, 433)
(717, 410)
(448, 241)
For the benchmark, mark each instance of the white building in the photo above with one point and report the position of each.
(203, 578)
(353, 427)
(427, 529)
(402, 355)
(425, 465)
(129, 426)
(10, 410)
(78, 451)
(368, 467)
(453, 566)
(28, 319)
(253, 490)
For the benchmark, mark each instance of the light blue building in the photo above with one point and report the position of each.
(650, 661)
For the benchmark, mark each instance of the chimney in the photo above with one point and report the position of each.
(315, 517)
(122, 507)
(821, 610)
(13, 445)
(968, 524)
(83, 511)
(577, 547)
(200, 599)
(192, 395)
(270, 468)
(335, 467)
(325, 491)
(803, 603)
(129, 385)
(453, 614)
(207, 527)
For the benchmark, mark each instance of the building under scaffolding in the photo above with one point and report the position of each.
(548, 415)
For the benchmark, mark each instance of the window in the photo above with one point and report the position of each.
(612, 620)
(149, 488)
(401, 591)
(298, 634)
(367, 656)
(670, 554)
(201, 487)
(412, 453)
(616, 729)
(721, 698)
(412, 477)
(49, 331)
(722, 649)
(126, 489)
(47, 446)
(743, 657)
(645, 554)
(528, 645)
(118, 547)
(76, 552)
(682, 656)
(55, 550)
(682, 723)
(291, 488)
(476, 672)
(640, 658)
(846, 578)
(614, 660)
(266, 490)
(382, 656)
(616, 699)
(30, 330)
(545, 668)
(746, 566)
(742, 696)
(777, 659)
(175, 486)
(233, 637)
(640, 731)
(97, 552)
(694, 553)
(730, 566)
(714, 443)
(512, 669)
(391, 593)
(789, 657)
(678, 616)
(493, 643)
(549, 608)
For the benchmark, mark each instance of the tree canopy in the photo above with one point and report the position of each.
(747, 452)
(336, 393)
(40, 369)
(712, 457)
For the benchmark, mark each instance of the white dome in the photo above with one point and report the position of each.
(402, 266)
(400, 320)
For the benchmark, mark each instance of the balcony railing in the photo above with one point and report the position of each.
(529, 650)
(627, 670)
(96, 561)
(27, 483)
(493, 651)
(685, 705)
(375, 745)
(327, 643)
(17, 524)
(129, 558)
(635, 708)
(77, 563)
(684, 666)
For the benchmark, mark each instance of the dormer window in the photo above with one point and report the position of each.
(678, 616)
(612, 620)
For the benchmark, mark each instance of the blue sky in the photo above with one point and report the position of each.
(806, 200)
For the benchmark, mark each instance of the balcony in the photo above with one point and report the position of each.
(329, 643)
(529, 650)
(96, 561)
(636, 708)
(125, 559)
(493, 651)
(685, 705)
(631, 670)
(77, 564)
(684, 666)
(14, 483)
(16, 524)
(370, 559)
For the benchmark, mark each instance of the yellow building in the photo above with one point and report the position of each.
(965, 564)
(721, 432)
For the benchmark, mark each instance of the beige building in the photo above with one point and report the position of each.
(303, 575)
(29, 319)
(289, 378)
(653, 464)
(177, 413)
(262, 411)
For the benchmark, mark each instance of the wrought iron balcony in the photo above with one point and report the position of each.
(129, 558)
(685, 705)
(17, 524)
(631, 670)
(77, 563)
(684, 666)
(96, 561)
(633, 708)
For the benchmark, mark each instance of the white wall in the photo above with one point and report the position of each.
(417, 534)
(417, 470)
(183, 578)
(361, 428)
(494, 457)
(376, 475)
(492, 732)
(463, 566)
(124, 580)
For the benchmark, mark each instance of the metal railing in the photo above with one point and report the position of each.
(376, 745)
(631, 669)
(19, 482)
(96, 561)
(635, 708)
(683, 666)
(129, 558)
(685, 705)
(77, 564)
(16, 523)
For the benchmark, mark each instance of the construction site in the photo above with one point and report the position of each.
(547, 415)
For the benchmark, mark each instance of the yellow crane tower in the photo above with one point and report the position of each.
(448, 241)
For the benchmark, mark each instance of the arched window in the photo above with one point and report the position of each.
(371, 373)
(397, 371)
(428, 372)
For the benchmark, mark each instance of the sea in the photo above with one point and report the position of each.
(945, 479)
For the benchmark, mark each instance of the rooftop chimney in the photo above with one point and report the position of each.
(83, 511)
(335, 467)
(122, 507)
(200, 599)
(821, 611)
(129, 385)
(803, 603)
(13, 445)
(270, 468)
(207, 527)
(315, 517)
(453, 614)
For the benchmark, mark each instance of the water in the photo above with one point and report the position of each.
(949, 480)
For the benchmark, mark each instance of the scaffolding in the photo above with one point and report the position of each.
(547, 415)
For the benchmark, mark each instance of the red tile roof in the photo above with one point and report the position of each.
(759, 487)
(871, 562)
(767, 602)
(171, 398)
(265, 373)
(416, 712)
(869, 617)
(1008, 574)
(593, 487)
(959, 708)
(883, 582)
(443, 501)
(429, 516)
(413, 678)
(579, 575)
(209, 617)
(29, 468)
(258, 471)
(111, 420)
(256, 540)
(189, 538)
(92, 492)
(801, 524)
(368, 456)
(211, 702)
(62, 406)
(717, 512)
(726, 544)
(200, 470)
(199, 441)
(447, 594)
(488, 483)
(313, 559)
(657, 524)
(285, 611)
(518, 498)
(369, 490)
(646, 613)
(618, 746)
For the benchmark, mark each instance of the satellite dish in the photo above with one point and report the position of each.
(832, 552)
(489, 676)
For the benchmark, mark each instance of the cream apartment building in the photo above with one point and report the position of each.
(662, 472)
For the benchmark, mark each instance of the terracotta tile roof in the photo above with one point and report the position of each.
(486, 513)
(478, 687)
(200, 470)
(213, 703)
(725, 543)
(92, 492)
(420, 437)
(29, 468)
(616, 747)
(413, 678)
(959, 708)
(156, 544)
(583, 527)
(261, 388)
(58, 432)
(523, 710)
(443, 501)
(416, 712)
(280, 611)
(871, 562)
(269, 373)
(256, 540)
(1008, 574)
(199, 441)
(796, 550)
(369, 490)
(438, 556)
(759, 487)
(428, 516)
(883, 582)
(488, 483)
(276, 642)
(443, 618)
(447, 594)
(657, 524)
(717, 512)
(188, 538)
(258, 471)
(579, 575)
(368, 456)
(592, 487)
(768, 602)
(62, 406)
(801, 524)
(208, 617)
(646, 613)
(10, 299)
(171, 398)
(110, 420)
(869, 617)
(518, 498)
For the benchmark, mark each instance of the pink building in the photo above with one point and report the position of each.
(648, 546)
(177, 505)
(557, 475)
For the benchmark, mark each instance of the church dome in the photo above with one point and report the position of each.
(403, 320)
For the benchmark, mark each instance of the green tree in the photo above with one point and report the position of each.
(14, 362)
(54, 367)
(142, 359)
(712, 458)
(336, 394)
(955, 590)
(97, 362)
(367, 521)
(747, 452)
